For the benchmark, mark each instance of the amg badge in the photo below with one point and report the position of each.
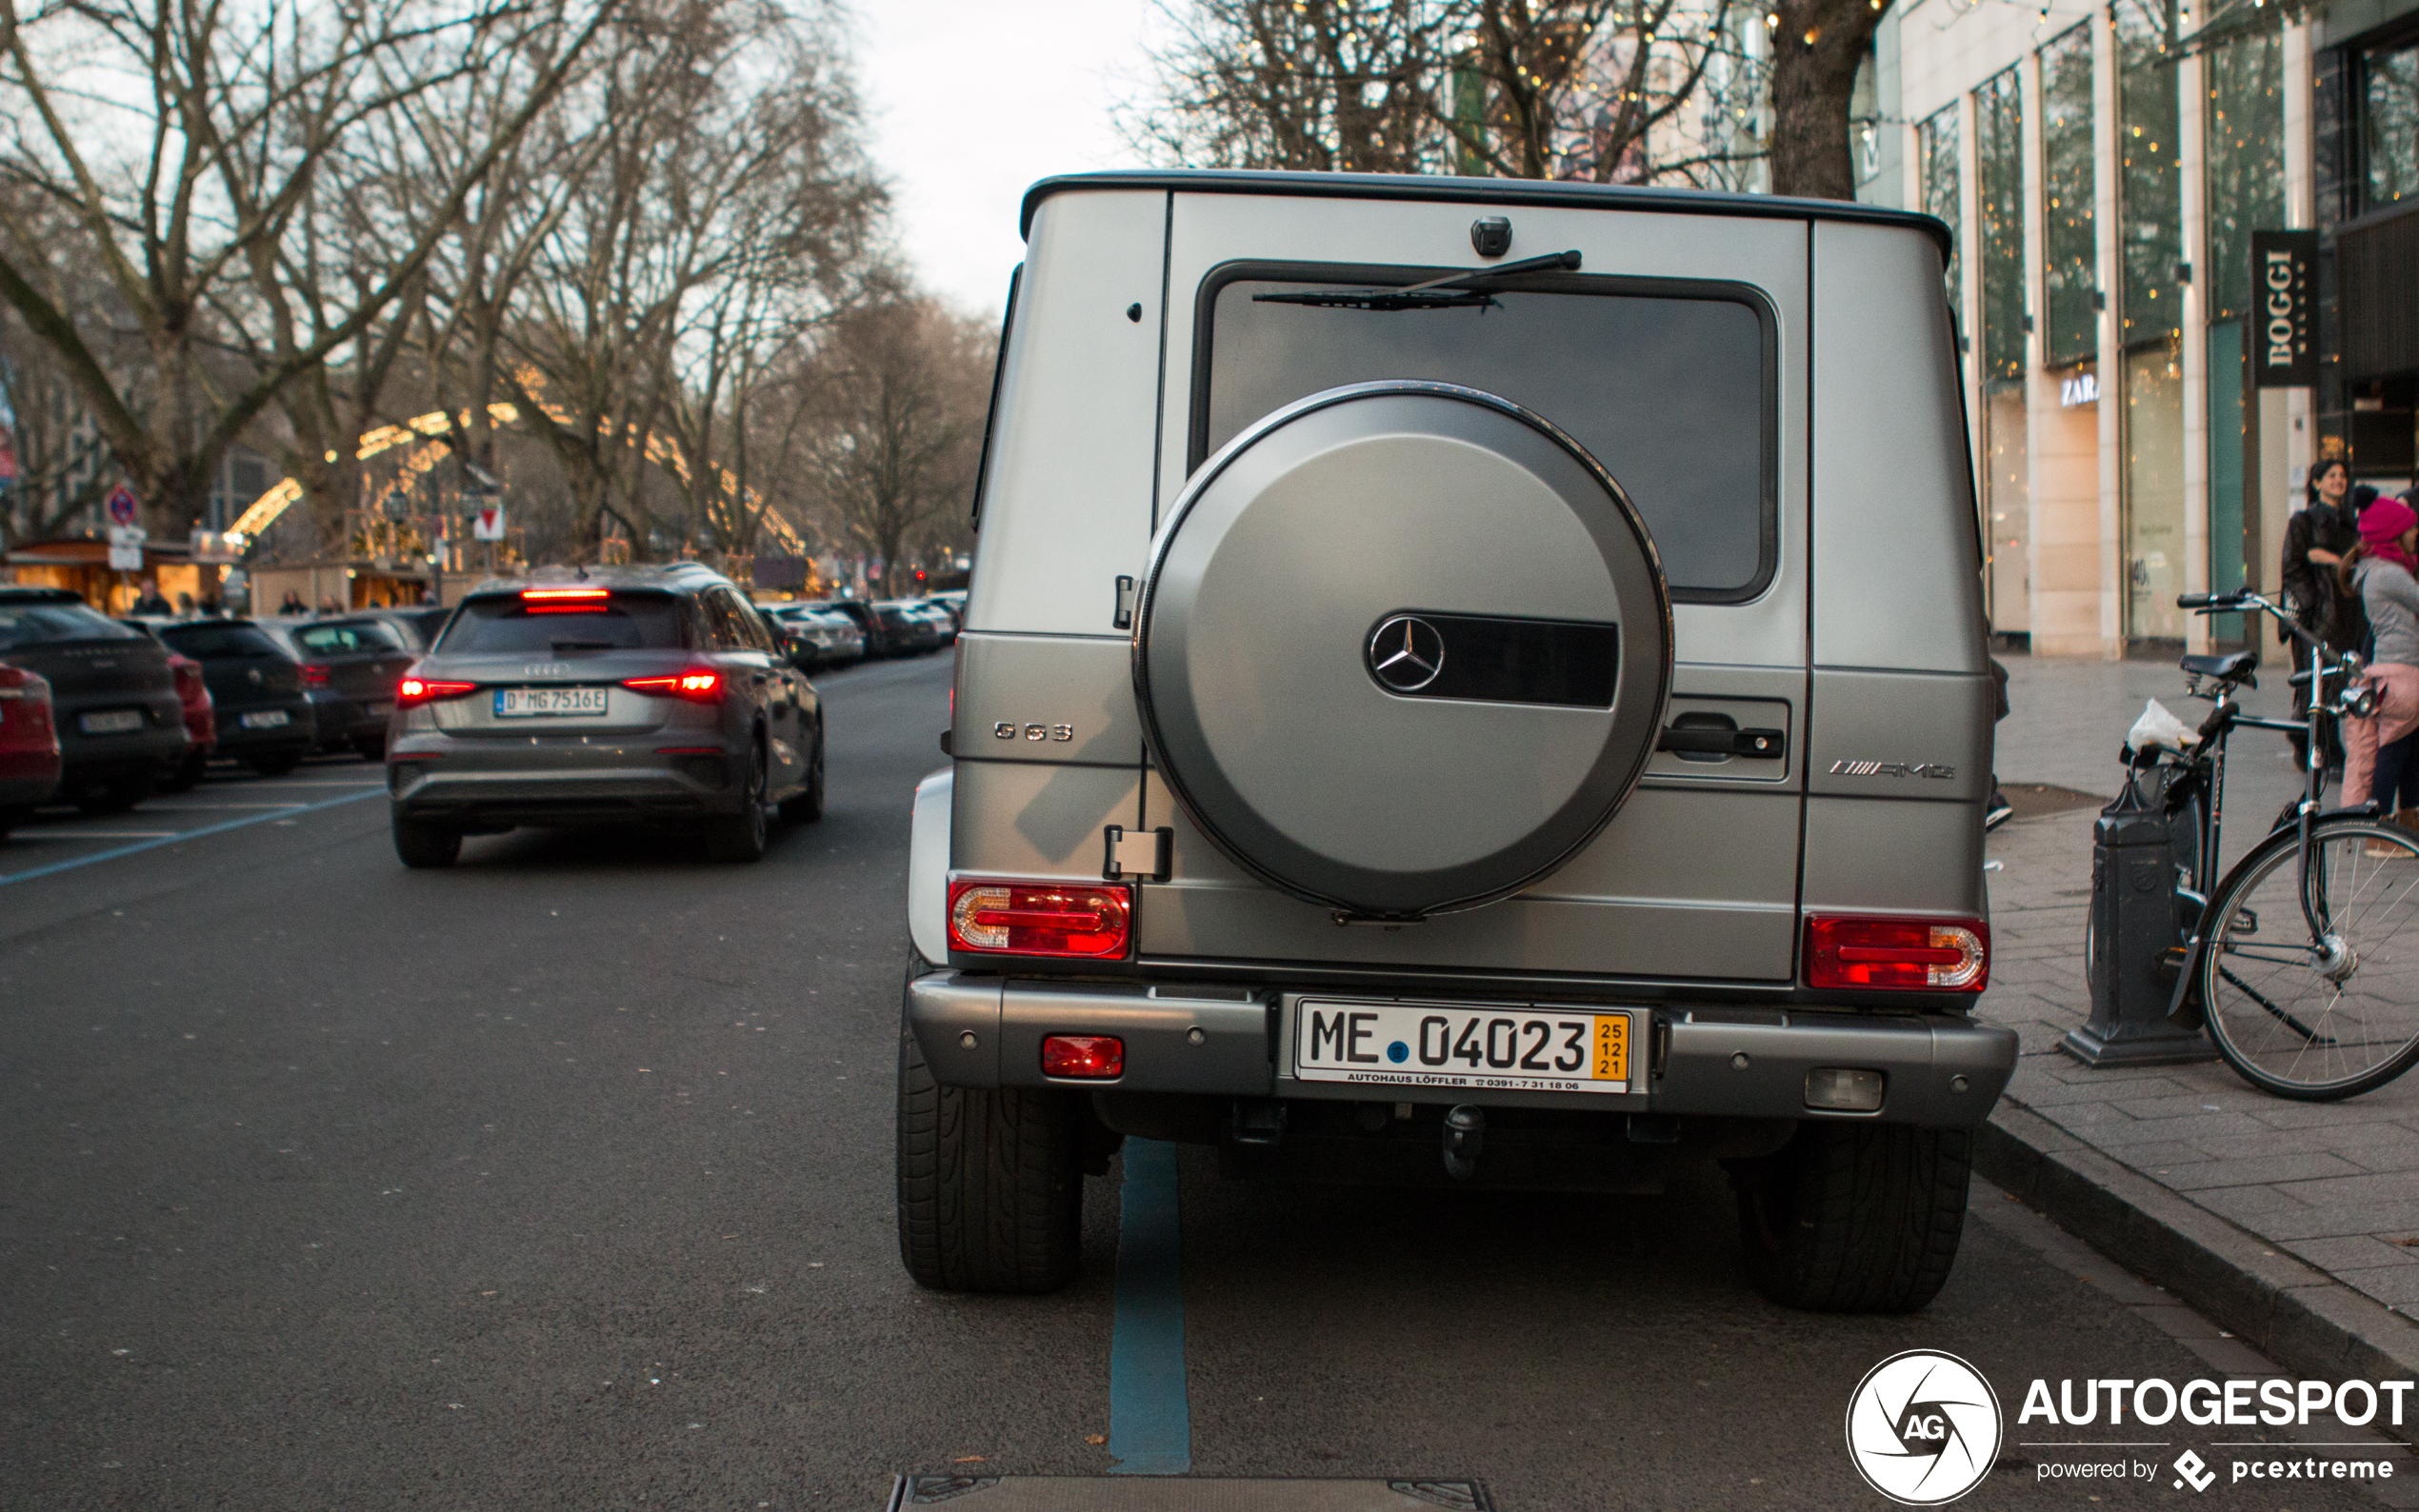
(1891, 769)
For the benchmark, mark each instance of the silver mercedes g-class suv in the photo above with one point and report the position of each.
(1465, 681)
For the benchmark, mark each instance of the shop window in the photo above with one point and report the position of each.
(2149, 188)
(2245, 124)
(2071, 279)
(1936, 141)
(2389, 124)
(2006, 473)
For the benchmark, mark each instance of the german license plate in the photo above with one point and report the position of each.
(112, 722)
(378, 710)
(1444, 1045)
(539, 703)
(264, 719)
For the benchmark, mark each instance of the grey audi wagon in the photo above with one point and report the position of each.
(651, 695)
(1464, 682)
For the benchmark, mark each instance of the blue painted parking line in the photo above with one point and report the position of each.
(1149, 1425)
(181, 837)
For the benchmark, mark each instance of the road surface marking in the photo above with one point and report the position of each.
(183, 835)
(1150, 1424)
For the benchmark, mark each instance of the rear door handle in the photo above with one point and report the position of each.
(1767, 743)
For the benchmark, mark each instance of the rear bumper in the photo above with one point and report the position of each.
(1939, 1071)
(300, 730)
(455, 784)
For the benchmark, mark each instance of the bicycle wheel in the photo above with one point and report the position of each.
(2318, 1015)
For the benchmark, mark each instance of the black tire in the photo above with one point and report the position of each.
(185, 775)
(807, 806)
(991, 1183)
(372, 749)
(741, 838)
(274, 764)
(422, 845)
(12, 816)
(1854, 1216)
(117, 795)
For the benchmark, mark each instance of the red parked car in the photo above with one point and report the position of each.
(200, 723)
(28, 746)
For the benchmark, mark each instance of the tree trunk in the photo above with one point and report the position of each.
(1817, 48)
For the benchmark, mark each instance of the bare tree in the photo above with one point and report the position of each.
(185, 142)
(1320, 84)
(898, 398)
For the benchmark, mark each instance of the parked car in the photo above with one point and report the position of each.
(425, 622)
(265, 716)
(30, 761)
(349, 666)
(910, 631)
(816, 639)
(1413, 741)
(647, 694)
(944, 618)
(120, 724)
(859, 613)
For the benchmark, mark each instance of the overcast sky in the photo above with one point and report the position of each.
(970, 101)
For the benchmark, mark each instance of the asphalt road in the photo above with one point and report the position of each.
(564, 1179)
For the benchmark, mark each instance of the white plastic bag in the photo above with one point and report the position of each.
(2156, 728)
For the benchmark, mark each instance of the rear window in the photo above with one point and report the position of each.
(1670, 386)
(626, 621)
(358, 635)
(204, 642)
(34, 624)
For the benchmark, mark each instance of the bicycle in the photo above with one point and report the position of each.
(2306, 977)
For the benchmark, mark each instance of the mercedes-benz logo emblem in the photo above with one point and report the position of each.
(1405, 653)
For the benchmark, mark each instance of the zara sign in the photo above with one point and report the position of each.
(2284, 314)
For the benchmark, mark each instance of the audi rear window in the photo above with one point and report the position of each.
(1670, 386)
(208, 642)
(37, 624)
(626, 621)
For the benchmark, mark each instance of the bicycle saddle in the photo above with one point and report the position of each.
(2234, 667)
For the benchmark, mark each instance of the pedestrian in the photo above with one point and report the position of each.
(2316, 539)
(2381, 752)
(292, 603)
(151, 602)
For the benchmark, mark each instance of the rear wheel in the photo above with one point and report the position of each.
(185, 774)
(742, 837)
(116, 795)
(275, 765)
(991, 1183)
(424, 844)
(1854, 1216)
(2318, 1017)
(372, 749)
(14, 815)
(808, 807)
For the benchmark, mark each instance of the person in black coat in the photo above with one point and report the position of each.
(2315, 540)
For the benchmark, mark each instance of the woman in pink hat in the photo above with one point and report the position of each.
(2381, 753)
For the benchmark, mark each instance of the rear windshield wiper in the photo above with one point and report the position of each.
(1453, 290)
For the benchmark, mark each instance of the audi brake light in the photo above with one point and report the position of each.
(562, 595)
(697, 685)
(1038, 919)
(413, 690)
(1897, 954)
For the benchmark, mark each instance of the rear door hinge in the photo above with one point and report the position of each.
(1126, 592)
(1141, 855)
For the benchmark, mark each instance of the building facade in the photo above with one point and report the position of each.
(2105, 168)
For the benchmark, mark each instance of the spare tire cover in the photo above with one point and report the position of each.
(1403, 647)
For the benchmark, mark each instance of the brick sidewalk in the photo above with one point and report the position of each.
(2336, 1184)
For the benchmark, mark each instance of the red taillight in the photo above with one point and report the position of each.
(313, 676)
(1096, 1057)
(1038, 919)
(1920, 955)
(413, 690)
(563, 601)
(698, 685)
